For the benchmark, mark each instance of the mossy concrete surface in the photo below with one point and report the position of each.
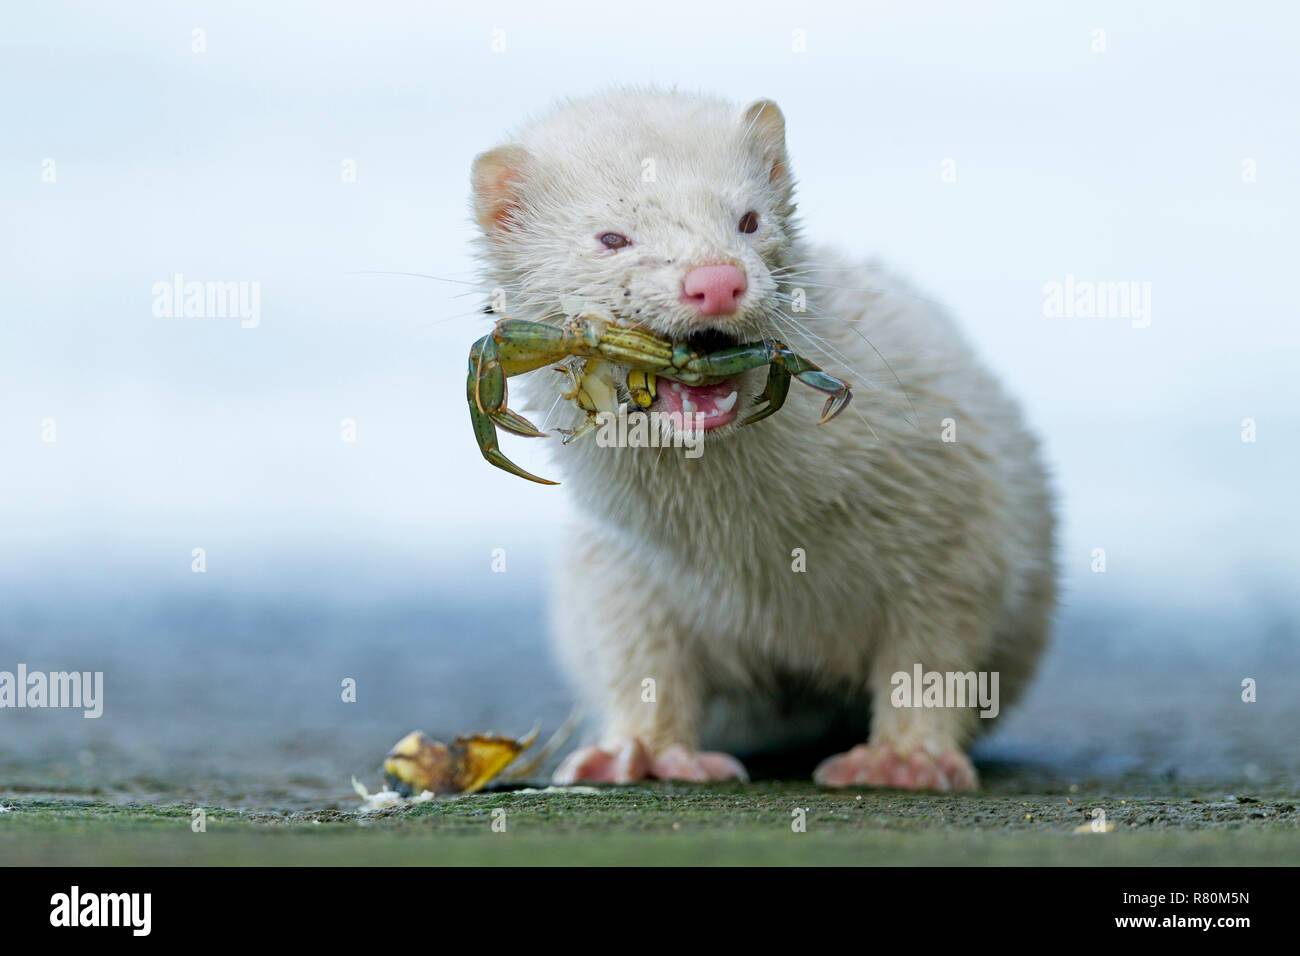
(668, 823)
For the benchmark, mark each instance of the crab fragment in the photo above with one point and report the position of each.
(418, 763)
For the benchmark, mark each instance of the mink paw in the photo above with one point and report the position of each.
(632, 760)
(883, 765)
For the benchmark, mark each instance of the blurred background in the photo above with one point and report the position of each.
(308, 146)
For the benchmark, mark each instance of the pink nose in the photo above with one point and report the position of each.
(714, 289)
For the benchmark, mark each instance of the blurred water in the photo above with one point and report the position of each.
(244, 694)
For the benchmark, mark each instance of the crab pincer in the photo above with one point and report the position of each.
(486, 392)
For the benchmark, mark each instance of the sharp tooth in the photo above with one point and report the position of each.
(727, 404)
(688, 406)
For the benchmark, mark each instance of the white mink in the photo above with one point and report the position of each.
(683, 571)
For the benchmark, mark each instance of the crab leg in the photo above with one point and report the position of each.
(784, 363)
(774, 393)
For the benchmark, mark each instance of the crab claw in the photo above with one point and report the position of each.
(505, 464)
(836, 404)
(486, 390)
(840, 396)
(486, 433)
(517, 424)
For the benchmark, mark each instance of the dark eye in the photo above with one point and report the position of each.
(748, 222)
(614, 240)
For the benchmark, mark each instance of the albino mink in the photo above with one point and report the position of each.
(694, 593)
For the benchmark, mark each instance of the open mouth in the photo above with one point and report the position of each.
(711, 406)
(701, 406)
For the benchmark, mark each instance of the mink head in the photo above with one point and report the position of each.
(671, 211)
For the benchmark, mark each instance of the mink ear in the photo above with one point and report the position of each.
(496, 178)
(764, 127)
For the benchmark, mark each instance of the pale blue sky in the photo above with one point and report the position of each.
(225, 165)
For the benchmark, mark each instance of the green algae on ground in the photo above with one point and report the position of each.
(666, 823)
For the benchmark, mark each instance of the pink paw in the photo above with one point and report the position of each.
(881, 765)
(632, 761)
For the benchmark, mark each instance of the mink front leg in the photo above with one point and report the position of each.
(638, 671)
(917, 748)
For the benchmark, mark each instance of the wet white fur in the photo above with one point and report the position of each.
(680, 571)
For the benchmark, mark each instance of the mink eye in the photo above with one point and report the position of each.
(748, 222)
(614, 240)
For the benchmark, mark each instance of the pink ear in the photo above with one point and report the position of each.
(496, 178)
(765, 127)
